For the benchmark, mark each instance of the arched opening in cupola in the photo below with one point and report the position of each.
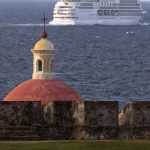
(52, 65)
(39, 65)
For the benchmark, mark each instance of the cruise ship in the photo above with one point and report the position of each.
(91, 12)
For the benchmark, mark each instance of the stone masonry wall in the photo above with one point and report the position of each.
(134, 120)
(74, 120)
(59, 120)
(19, 113)
(101, 120)
(20, 120)
(81, 120)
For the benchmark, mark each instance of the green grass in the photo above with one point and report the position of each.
(76, 145)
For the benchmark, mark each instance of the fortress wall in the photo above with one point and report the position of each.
(101, 113)
(59, 114)
(64, 113)
(82, 120)
(74, 120)
(62, 118)
(134, 120)
(18, 120)
(101, 120)
(19, 113)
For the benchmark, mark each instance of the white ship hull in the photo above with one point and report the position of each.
(125, 12)
(104, 21)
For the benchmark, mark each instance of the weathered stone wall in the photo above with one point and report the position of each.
(64, 113)
(81, 120)
(101, 120)
(101, 113)
(135, 114)
(74, 120)
(19, 113)
(19, 120)
(59, 120)
(134, 120)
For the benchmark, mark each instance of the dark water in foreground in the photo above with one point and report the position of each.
(100, 62)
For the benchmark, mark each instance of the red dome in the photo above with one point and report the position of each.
(44, 91)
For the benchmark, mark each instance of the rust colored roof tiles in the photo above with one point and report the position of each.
(44, 91)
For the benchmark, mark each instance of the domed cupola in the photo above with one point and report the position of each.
(43, 43)
(43, 58)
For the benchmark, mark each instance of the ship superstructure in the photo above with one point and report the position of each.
(90, 12)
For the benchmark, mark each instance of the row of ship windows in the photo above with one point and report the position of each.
(116, 13)
(90, 5)
(129, 0)
(81, 1)
(86, 5)
(127, 4)
(71, 11)
(119, 14)
(130, 11)
(130, 14)
(123, 9)
(106, 4)
(107, 12)
(135, 1)
(96, 1)
(64, 13)
(62, 10)
(67, 17)
(65, 7)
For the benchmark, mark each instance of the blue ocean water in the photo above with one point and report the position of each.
(100, 62)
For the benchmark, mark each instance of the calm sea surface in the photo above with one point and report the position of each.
(100, 62)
